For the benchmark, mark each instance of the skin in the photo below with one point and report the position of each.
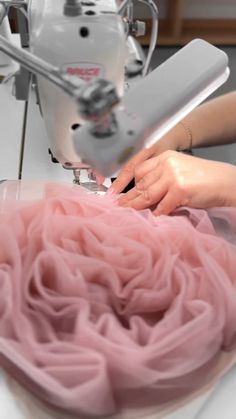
(171, 180)
(166, 179)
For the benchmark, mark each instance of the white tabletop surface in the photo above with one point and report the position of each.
(221, 403)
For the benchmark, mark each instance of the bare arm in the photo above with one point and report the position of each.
(213, 123)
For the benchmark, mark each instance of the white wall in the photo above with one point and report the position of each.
(209, 9)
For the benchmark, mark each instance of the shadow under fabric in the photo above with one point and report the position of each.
(105, 310)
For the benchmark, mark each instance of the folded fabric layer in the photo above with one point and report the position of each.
(104, 308)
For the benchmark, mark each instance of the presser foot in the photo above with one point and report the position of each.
(92, 187)
(88, 182)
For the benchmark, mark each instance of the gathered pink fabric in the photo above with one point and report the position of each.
(103, 307)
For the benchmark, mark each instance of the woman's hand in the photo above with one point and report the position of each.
(173, 179)
(176, 139)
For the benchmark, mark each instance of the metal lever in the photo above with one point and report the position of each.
(95, 99)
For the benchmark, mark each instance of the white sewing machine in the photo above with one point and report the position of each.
(84, 56)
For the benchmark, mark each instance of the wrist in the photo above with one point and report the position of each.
(175, 139)
(185, 136)
(178, 138)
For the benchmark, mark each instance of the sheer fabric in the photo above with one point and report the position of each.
(103, 308)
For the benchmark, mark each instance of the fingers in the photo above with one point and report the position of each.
(140, 192)
(127, 173)
(148, 167)
(129, 197)
(158, 181)
(161, 193)
(148, 180)
(153, 164)
(168, 204)
(168, 199)
(123, 179)
(147, 198)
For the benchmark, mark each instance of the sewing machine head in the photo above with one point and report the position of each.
(87, 56)
(90, 44)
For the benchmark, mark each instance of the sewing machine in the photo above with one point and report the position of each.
(84, 56)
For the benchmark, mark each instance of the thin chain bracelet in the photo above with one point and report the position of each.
(189, 134)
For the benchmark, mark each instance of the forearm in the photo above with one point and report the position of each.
(212, 123)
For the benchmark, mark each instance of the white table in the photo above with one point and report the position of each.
(221, 403)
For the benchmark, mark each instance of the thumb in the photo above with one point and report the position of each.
(123, 179)
(127, 172)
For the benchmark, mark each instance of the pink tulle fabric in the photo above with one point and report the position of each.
(103, 307)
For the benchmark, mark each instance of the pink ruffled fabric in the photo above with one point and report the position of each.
(104, 308)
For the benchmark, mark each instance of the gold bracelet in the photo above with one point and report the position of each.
(189, 133)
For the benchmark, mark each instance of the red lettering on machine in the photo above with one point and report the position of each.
(85, 72)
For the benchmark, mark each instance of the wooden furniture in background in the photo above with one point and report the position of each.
(13, 20)
(174, 29)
